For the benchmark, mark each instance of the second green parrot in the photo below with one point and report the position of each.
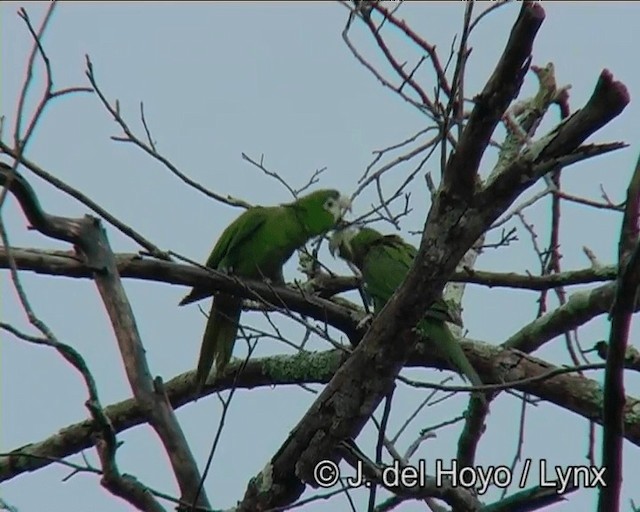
(384, 261)
(256, 246)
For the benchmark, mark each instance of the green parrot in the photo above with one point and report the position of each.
(255, 246)
(383, 261)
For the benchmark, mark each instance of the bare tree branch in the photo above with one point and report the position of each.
(131, 265)
(104, 436)
(76, 194)
(621, 312)
(490, 105)
(150, 148)
(574, 393)
(91, 243)
(452, 227)
(363, 371)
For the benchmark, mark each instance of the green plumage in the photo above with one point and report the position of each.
(255, 246)
(384, 261)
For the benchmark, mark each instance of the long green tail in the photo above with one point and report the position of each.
(447, 346)
(219, 337)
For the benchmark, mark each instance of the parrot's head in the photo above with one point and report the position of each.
(321, 211)
(340, 242)
(352, 243)
(336, 204)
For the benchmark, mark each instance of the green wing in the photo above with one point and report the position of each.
(228, 248)
(403, 255)
(385, 266)
(230, 244)
(256, 245)
(384, 262)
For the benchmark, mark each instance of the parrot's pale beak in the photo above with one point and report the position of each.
(341, 237)
(345, 204)
(333, 245)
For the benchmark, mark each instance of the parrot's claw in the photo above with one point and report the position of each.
(303, 286)
(365, 322)
(307, 264)
(253, 305)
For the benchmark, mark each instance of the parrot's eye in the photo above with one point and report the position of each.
(334, 205)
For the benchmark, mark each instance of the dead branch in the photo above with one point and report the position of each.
(89, 203)
(136, 266)
(621, 312)
(574, 393)
(454, 223)
(149, 147)
(490, 105)
(92, 246)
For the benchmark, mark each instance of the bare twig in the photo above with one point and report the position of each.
(91, 243)
(49, 94)
(276, 176)
(386, 83)
(150, 148)
(424, 45)
(89, 203)
(459, 177)
(124, 486)
(225, 409)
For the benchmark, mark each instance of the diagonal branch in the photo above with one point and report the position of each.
(621, 312)
(76, 194)
(347, 402)
(149, 147)
(92, 245)
(562, 145)
(490, 105)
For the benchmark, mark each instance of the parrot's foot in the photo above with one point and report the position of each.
(307, 264)
(365, 322)
(253, 305)
(308, 286)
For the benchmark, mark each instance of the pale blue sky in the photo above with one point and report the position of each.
(274, 79)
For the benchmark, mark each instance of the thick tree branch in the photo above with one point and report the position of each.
(457, 218)
(621, 312)
(451, 220)
(490, 105)
(59, 263)
(495, 364)
(92, 245)
(562, 145)
(356, 389)
(131, 265)
(579, 309)
(608, 100)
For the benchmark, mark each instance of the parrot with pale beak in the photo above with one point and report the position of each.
(256, 245)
